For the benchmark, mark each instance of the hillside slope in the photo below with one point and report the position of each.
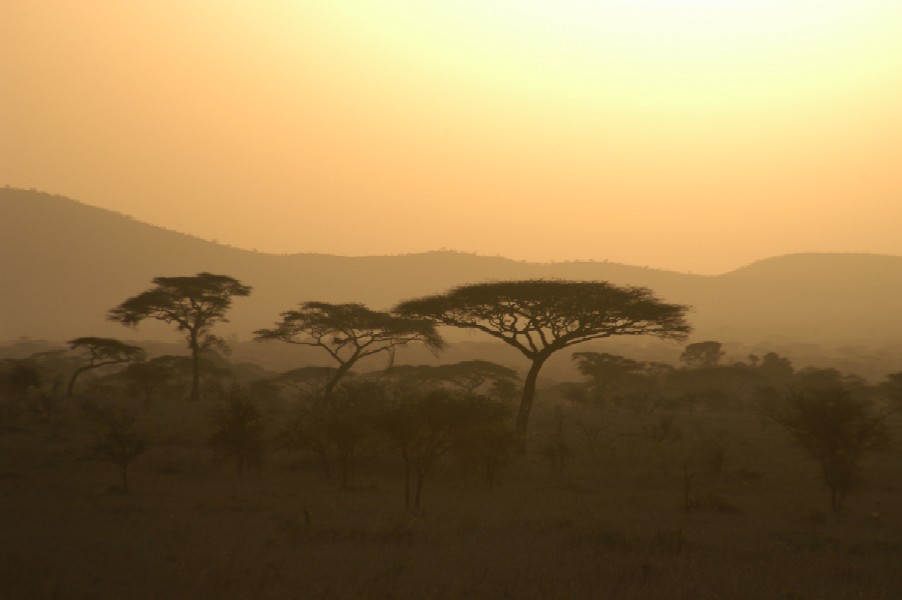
(64, 264)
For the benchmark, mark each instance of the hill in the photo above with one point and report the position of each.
(64, 264)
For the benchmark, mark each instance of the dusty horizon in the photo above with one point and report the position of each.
(465, 252)
(688, 137)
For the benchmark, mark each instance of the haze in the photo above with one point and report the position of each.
(683, 135)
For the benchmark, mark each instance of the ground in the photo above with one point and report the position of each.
(613, 524)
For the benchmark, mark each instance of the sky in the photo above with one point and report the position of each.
(694, 135)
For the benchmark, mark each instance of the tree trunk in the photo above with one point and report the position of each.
(195, 369)
(529, 393)
(124, 472)
(75, 375)
(339, 373)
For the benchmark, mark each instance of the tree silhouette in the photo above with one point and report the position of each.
(147, 377)
(308, 383)
(239, 432)
(702, 354)
(423, 428)
(346, 423)
(604, 371)
(487, 440)
(117, 441)
(470, 375)
(466, 376)
(306, 433)
(193, 304)
(539, 317)
(715, 387)
(19, 377)
(646, 390)
(102, 352)
(776, 369)
(835, 428)
(892, 388)
(348, 333)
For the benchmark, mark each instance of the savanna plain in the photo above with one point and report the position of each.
(690, 493)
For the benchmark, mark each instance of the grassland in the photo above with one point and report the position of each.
(614, 524)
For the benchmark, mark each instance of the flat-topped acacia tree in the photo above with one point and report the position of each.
(348, 333)
(102, 352)
(194, 304)
(539, 317)
(465, 377)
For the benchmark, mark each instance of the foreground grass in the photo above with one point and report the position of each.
(612, 526)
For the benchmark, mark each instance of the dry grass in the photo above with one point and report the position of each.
(613, 525)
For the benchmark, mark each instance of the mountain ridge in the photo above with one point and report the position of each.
(65, 263)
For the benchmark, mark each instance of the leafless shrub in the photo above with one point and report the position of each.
(117, 440)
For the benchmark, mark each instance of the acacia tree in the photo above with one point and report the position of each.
(892, 388)
(776, 369)
(307, 382)
(539, 317)
(605, 371)
(348, 333)
(18, 377)
(145, 378)
(470, 375)
(193, 304)
(702, 354)
(102, 352)
(466, 376)
(835, 428)
(424, 428)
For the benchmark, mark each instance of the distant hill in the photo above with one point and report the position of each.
(63, 264)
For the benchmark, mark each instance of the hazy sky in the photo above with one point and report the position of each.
(686, 134)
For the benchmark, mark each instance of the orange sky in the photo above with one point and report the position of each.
(691, 135)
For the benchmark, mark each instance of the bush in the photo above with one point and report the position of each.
(835, 428)
(117, 441)
(239, 432)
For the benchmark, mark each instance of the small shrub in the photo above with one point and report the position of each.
(239, 432)
(117, 440)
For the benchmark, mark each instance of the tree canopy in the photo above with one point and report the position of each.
(539, 317)
(604, 370)
(102, 352)
(424, 427)
(702, 354)
(193, 304)
(307, 382)
(349, 332)
(466, 376)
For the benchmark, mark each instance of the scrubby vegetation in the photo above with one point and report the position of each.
(699, 478)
